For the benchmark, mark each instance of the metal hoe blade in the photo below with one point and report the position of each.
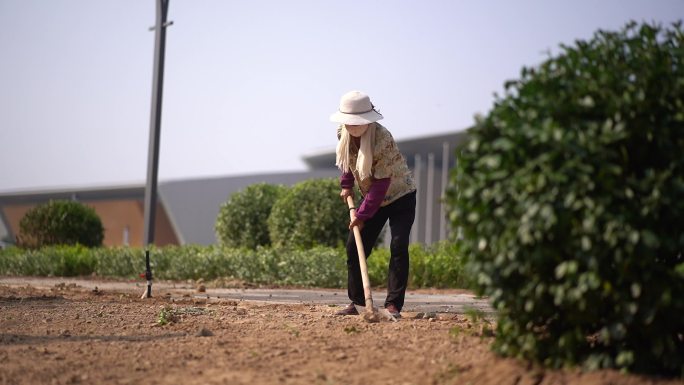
(383, 314)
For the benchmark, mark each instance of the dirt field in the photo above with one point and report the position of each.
(71, 335)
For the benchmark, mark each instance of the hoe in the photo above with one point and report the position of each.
(370, 313)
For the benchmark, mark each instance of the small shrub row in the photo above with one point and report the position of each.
(437, 266)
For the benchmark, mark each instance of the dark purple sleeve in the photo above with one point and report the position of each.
(347, 180)
(372, 201)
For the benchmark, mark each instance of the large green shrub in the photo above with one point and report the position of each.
(242, 219)
(61, 222)
(310, 214)
(570, 197)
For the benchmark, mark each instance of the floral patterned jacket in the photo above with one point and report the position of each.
(388, 162)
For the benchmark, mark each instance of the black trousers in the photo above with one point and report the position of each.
(401, 214)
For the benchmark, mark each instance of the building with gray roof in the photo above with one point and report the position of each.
(187, 209)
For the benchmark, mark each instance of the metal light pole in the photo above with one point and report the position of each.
(155, 128)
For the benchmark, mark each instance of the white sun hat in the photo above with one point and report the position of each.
(355, 109)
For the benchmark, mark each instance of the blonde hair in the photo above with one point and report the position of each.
(364, 161)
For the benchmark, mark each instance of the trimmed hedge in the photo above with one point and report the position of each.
(309, 214)
(570, 197)
(438, 266)
(60, 222)
(243, 218)
(316, 267)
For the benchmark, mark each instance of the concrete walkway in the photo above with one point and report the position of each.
(439, 301)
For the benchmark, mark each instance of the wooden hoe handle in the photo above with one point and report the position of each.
(362, 256)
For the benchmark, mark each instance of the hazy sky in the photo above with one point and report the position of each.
(249, 85)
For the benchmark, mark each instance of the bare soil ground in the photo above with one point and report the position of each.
(72, 335)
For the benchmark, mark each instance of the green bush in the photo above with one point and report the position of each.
(570, 197)
(60, 260)
(122, 262)
(310, 214)
(436, 266)
(242, 219)
(60, 223)
(440, 265)
(316, 267)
